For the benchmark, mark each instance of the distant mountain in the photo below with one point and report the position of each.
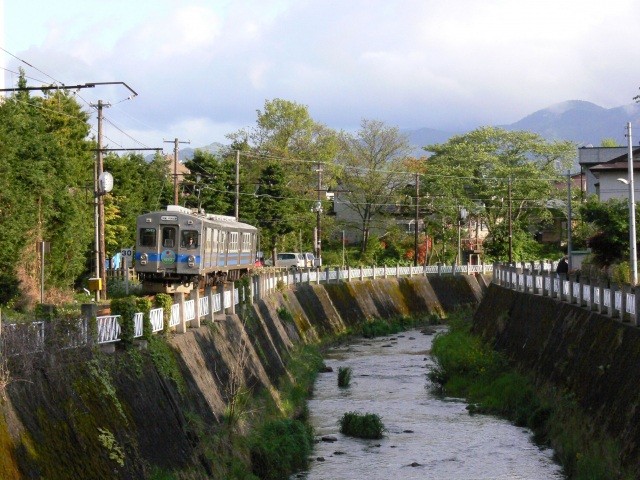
(581, 122)
(187, 153)
(584, 123)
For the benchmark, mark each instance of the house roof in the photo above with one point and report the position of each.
(619, 163)
(615, 166)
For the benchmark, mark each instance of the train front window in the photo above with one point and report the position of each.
(147, 237)
(189, 239)
(168, 237)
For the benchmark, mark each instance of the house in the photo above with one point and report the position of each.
(590, 157)
(609, 174)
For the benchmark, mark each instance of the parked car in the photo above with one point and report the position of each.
(292, 260)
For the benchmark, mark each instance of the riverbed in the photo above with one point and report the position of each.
(427, 437)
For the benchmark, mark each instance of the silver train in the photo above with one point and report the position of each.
(178, 249)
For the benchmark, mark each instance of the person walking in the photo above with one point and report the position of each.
(563, 266)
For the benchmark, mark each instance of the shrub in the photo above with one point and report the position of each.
(344, 377)
(125, 307)
(280, 448)
(367, 425)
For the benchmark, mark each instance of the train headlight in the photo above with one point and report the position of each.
(143, 259)
(191, 261)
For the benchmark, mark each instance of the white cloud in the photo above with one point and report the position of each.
(202, 64)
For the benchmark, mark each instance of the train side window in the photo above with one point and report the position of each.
(189, 239)
(233, 241)
(246, 242)
(169, 237)
(147, 237)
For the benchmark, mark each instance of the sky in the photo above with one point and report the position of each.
(202, 68)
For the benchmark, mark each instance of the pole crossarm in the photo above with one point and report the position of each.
(68, 87)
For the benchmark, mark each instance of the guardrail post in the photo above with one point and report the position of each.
(348, 273)
(374, 272)
(612, 300)
(623, 303)
(590, 302)
(361, 273)
(599, 303)
(385, 271)
(397, 270)
(439, 269)
(221, 293)
(181, 327)
(195, 296)
(581, 299)
(233, 301)
(208, 291)
(635, 318)
(453, 268)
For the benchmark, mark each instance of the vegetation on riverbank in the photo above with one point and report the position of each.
(468, 368)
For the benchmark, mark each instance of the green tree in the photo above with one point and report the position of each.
(46, 170)
(276, 205)
(139, 186)
(610, 242)
(211, 183)
(501, 175)
(370, 175)
(286, 134)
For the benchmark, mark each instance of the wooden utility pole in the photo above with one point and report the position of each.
(100, 246)
(237, 203)
(415, 227)
(175, 142)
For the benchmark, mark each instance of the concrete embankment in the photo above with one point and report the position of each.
(590, 357)
(81, 414)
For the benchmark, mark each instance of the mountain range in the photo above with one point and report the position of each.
(581, 122)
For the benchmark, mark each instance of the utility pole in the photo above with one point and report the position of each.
(415, 227)
(99, 210)
(632, 213)
(510, 227)
(318, 210)
(237, 202)
(569, 215)
(175, 142)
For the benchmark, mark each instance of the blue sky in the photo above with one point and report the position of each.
(203, 68)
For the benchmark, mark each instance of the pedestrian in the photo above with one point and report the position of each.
(563, 266)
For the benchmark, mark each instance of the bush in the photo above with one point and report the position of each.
(344, 377)
(125, 307)
(367, 425)
(280, 448)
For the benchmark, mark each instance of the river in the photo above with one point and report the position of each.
(428, 437)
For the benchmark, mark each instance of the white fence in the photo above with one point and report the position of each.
(30, 337)
(614, 301)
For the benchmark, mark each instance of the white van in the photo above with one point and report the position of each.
(290, 260)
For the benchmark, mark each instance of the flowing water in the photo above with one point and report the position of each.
(427, 437)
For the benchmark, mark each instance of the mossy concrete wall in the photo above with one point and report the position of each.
(584, 354)
(82, 414)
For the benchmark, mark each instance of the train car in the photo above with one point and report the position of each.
(178, 249)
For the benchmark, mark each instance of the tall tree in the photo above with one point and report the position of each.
(509, 176)
(370, 176)
(286, 134)
(139, 186)
(46, 171)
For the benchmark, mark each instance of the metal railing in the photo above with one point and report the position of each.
(30, 337)
(615, 301)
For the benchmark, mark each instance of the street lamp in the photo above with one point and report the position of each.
(632, 210)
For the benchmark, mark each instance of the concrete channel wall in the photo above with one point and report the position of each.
(590, 355)
(75, 413)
